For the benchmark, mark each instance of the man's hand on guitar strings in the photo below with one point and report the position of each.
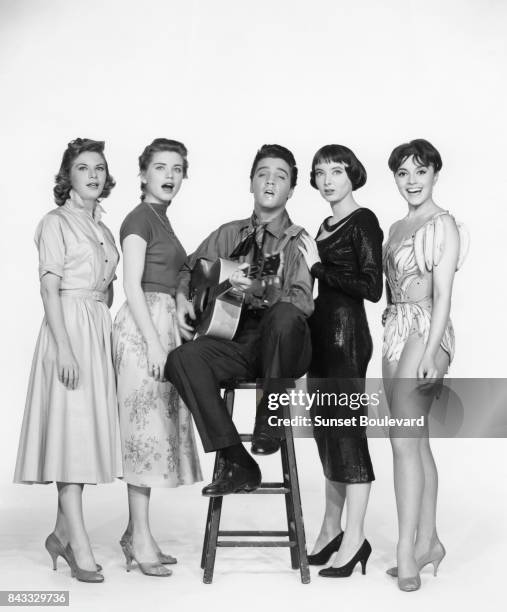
(184, 309)
(239, 279)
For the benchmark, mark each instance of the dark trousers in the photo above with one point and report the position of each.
(275, 344)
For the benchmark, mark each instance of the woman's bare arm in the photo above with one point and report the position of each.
(134, 251)
(443, 277)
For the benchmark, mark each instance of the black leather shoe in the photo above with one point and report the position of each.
(232, 479)
(264, 444)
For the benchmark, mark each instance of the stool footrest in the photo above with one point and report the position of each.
(245, 437)
(267, 488)
(253, 544)
(253, 533)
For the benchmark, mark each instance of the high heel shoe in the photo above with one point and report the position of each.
(413, 583)
(81, 574)
(433, 556)
(346, 570)
(162, 557)
(323, 555)
(56, 549)
(149, 569)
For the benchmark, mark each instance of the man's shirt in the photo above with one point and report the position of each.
(296, 280)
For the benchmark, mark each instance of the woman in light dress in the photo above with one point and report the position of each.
(70, 430)
(158, 444)
(421, 256)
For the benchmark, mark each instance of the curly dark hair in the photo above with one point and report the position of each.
(157, 146)
(341, 155)
(421, 150)
(63, 186)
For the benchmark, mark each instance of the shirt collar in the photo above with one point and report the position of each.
(75, 202)
(275, 227)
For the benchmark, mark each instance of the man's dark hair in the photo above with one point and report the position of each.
(277, 151)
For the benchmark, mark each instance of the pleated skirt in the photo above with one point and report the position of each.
(72, 435)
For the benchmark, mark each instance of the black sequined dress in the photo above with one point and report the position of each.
(350, 272)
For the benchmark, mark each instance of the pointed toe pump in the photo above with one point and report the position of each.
(81, 574)
(324, 555)
(56, 549)
(361, 556)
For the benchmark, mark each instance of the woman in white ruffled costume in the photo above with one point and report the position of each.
(421, 256)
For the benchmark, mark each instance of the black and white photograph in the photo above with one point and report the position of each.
(253, 304)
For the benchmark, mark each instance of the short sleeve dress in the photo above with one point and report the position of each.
(157, 436)
(73, 435)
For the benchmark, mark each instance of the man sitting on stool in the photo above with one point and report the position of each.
(270, 343)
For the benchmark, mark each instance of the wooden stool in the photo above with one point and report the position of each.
(289, 487)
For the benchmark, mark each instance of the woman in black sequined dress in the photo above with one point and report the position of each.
(347, 261)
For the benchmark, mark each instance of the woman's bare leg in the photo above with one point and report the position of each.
(60, 529)
(128, 533)
(70, 497)
(142, 540)
(426, 536)
(331, 523)
(415, 501)
(357, 496)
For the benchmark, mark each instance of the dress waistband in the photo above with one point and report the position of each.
(98, 296)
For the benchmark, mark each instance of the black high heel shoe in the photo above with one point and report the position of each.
(346, 570)
(323, 555)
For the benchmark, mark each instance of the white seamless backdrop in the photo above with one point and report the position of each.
(225, 77)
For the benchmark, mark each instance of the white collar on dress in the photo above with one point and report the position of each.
(75, 202)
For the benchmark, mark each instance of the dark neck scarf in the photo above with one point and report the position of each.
(253, 242)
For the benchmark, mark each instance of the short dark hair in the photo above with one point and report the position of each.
(341, 155)
(274, 150)
(157, 146)
(63, 185)
(421, 150)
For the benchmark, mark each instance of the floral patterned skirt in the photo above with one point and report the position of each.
(157, 437)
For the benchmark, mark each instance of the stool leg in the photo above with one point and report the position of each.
(206, 535)
(289, 506)
(209, 548)
(211, 505)
(214, 526)
(296, 501)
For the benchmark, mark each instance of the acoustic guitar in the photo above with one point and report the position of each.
(217, 304)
